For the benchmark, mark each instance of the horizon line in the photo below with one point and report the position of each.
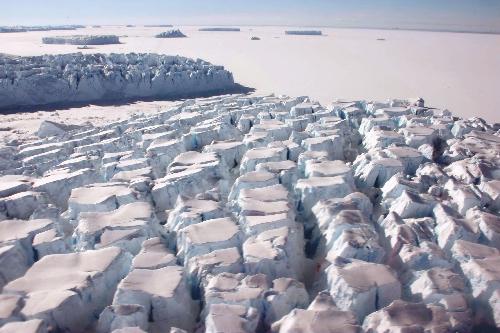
(397, 28)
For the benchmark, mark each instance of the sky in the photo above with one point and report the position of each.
(466, 15)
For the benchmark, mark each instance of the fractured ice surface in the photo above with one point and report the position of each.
(154, 254)
(174, 33)
(164, 295)
(207, 236)
(362, 287)
(321, 316)
(67, 291)
(285, 295)
(82, 40)
(236, 289)
(29, 326)
(247, 213)
(276, 253)
(126, 227)
(231, 318)
(203, 266)
(83, 78)
(16, 246)
(118, 317)
(50, 128)
(99, 198)
(401, 316)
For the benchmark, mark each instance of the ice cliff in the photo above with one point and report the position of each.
(174, 33)
(246, 213)
(82, 40)
(74, 78)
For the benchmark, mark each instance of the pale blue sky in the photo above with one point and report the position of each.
(427, 14)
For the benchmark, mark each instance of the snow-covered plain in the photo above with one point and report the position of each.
(453, 70)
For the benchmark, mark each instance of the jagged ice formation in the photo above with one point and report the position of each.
(77, 78)
(244, 213)
(82, 40)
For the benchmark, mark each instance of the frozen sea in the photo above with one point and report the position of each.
(458, 71)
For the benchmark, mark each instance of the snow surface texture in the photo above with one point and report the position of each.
(244, 213)
(174, 33)
(77, 78)
(82, 40)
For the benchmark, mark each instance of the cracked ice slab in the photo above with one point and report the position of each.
(411, 158)
(239, 289)
(286, 171)
(58, 185)
(357, 242)
(134, 221)
(362, 287)
(29, 326)
(230, 152)
(201, 267)
(154, 254)
(68, 290)
(315, 168)
(22, 205)
(483, 275)
(192, 211)
(286, 294)
(50, 242)
(264, 201)
(207, 236)
(313, 189)
(332, 144)
(189, 174)
(13, 184)
(253, 179)
(400, 316)
(255, 224)
(117, 317)
(16, 250)
(377, 172)
(164, 294)
(11, 306)
(442, 286)
(231, 318)
(255, 156)
(276, 253)
(100, 197)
